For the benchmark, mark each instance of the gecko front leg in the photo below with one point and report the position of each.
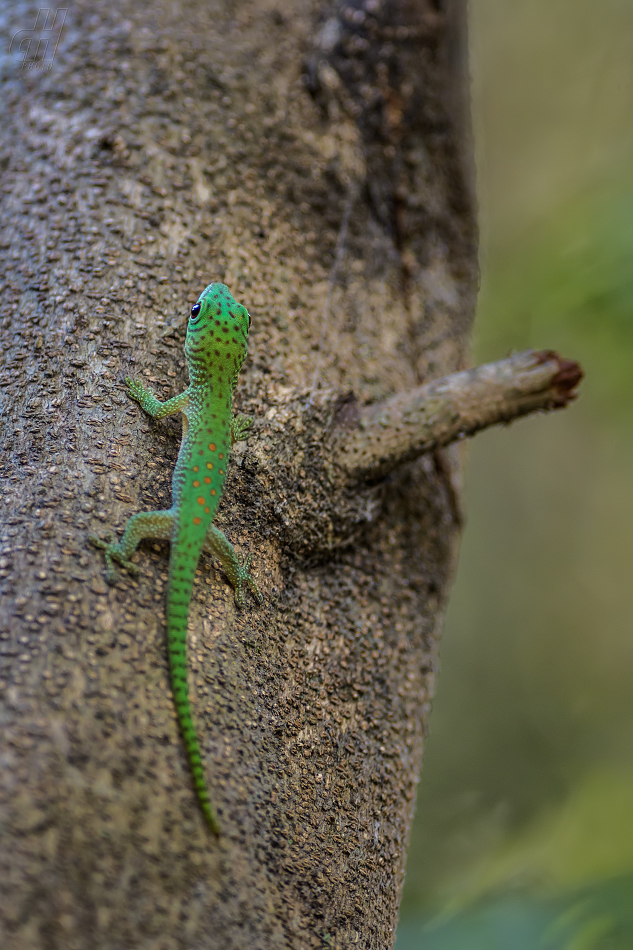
(153, 406)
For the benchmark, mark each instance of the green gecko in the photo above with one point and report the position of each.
(215, 349)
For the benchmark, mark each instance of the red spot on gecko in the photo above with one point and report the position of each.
(220, 456)
(200, 501)
(197, 520)
(212, 447)
(213, 491)
(207, 480)
(207, 510)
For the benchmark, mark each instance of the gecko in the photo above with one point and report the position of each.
(215, 348)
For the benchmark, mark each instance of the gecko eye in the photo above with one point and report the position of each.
(195, 310)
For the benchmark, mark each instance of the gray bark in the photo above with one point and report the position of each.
(170, 145)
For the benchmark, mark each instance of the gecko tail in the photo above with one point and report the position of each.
(178, 601)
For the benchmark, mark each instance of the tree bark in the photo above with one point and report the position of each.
(168, 146)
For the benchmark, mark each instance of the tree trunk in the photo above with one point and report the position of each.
(316, 159)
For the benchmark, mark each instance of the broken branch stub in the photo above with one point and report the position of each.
(408, 424)
(317, 470)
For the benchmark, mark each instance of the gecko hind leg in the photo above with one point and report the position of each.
(147, 525)
(219, 547)
(240, 427)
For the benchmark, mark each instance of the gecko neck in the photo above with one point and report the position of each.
(215, 381)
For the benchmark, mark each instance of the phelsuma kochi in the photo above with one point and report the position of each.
(215, 348)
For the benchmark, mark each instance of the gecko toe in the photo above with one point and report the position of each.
(102, 543)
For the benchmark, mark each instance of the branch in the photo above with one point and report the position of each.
(406, 425)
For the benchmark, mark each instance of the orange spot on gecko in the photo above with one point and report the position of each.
(212, 447)
(196, 484)
(197, 520)
(201, 501)
(196, 468)
(207, 510)
(220, 456)
(213, 491)
(207, 480)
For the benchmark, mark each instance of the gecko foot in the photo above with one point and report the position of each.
(113, 553)
(245, 579)
(240, 427)
(135, 389)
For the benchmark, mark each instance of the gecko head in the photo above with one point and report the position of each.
(217, 333)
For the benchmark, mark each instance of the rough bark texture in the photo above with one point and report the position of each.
(170, 145)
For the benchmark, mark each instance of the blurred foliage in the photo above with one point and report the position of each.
(594, 918)
(588, 837)
(568, 284)
(524, 831)
(534, 692)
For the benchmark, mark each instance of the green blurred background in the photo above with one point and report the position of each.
(524, 831)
